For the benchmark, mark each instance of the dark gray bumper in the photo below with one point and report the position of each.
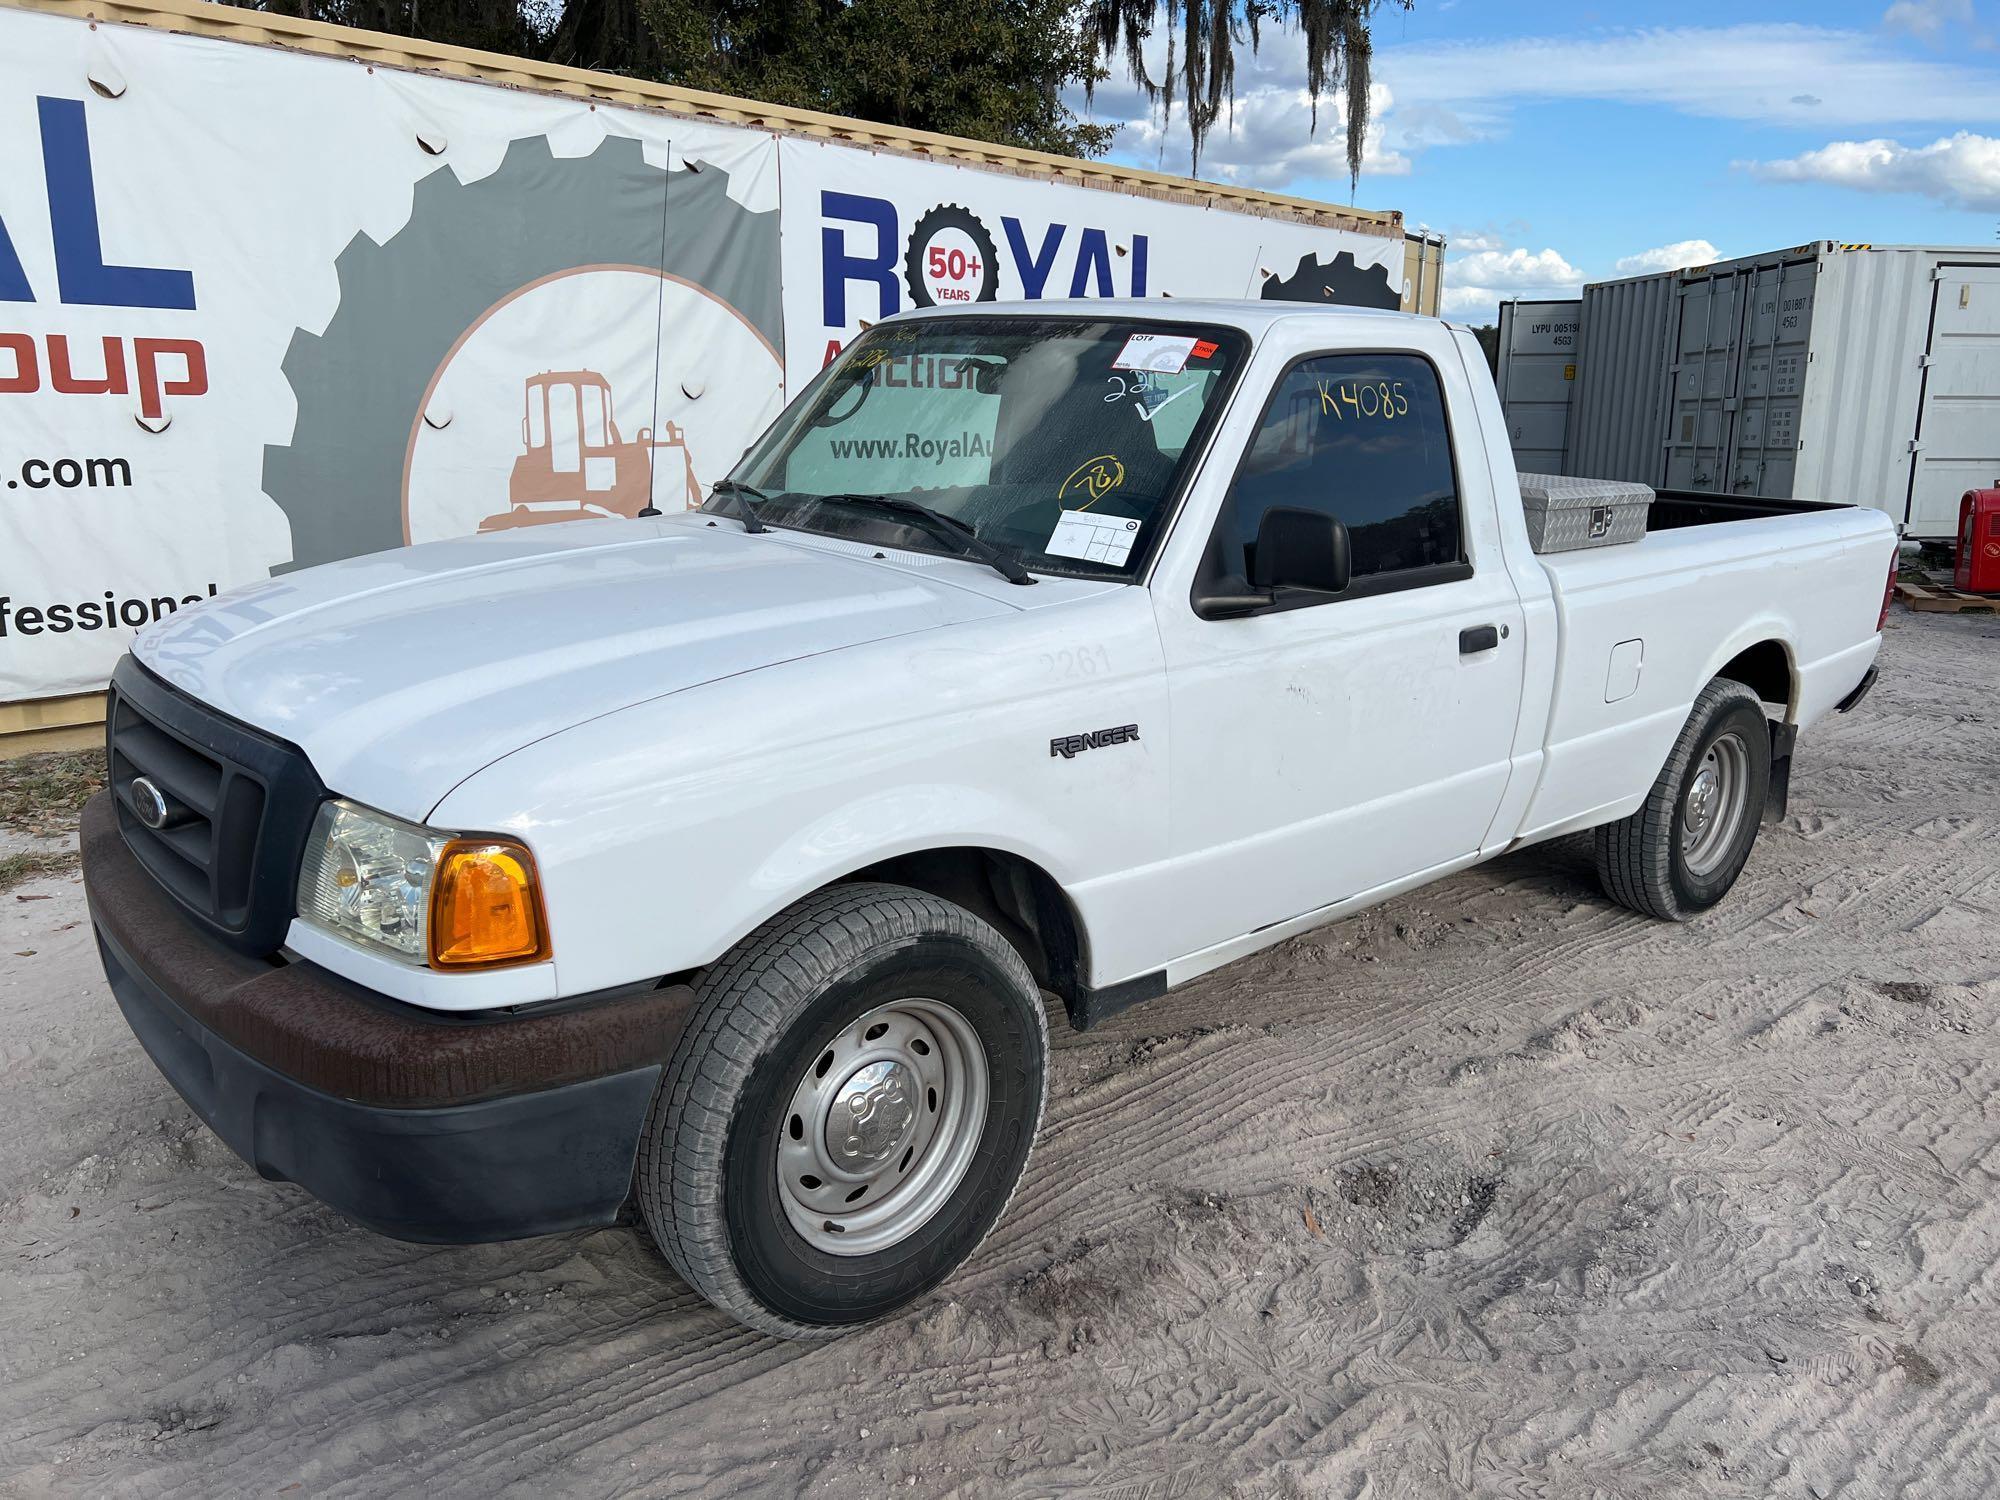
(499, 1169)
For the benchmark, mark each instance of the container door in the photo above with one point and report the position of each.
(1624, 379)
(1764, 442)
(1537, 376)
(1957, 444)
(1698, 433)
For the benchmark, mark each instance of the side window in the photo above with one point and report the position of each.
(1360, 437)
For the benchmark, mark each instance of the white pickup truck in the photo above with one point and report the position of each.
(721, 862)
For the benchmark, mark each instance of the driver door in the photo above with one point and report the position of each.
(1330, 744)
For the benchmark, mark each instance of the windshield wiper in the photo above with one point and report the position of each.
(947, 529)
(742, 494)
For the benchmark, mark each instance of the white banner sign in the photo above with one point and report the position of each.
(868, 234)
(261, 310)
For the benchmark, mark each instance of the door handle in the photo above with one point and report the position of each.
(1477, 638)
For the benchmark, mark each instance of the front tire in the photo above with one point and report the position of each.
(848, 1111)
(1682, 850)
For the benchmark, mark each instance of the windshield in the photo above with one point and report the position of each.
(1061, 441)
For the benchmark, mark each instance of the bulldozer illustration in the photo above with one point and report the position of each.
(576, 464)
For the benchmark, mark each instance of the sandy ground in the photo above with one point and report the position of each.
(1497, 1190)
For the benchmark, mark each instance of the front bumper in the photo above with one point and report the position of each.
(444, 1129)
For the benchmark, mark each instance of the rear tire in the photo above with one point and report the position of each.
(1682, 850)
(848, 1112)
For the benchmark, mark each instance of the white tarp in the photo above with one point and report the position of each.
(262, 310)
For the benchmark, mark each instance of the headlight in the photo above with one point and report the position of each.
(421, 896)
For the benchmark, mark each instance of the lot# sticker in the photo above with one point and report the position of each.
(1156, 353)
(1098, 539)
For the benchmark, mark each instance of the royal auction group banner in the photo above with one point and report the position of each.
(261, 310)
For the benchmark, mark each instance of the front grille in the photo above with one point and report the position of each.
(239, 805)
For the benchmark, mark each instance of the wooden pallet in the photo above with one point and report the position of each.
(1943, 599)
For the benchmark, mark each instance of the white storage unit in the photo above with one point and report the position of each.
(1956, 446)
(1537, 376)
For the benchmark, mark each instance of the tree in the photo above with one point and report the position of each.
(1206, 35)
(510, 26)
(994, 70)
(608, 34)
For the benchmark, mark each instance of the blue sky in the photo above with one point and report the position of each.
(1557, 143)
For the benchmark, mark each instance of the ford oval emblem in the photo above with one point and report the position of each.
(149, 803)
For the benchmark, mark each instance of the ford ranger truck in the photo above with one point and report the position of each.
(723, 863)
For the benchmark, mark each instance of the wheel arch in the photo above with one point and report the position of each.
(1017, 896)
(1768, 668)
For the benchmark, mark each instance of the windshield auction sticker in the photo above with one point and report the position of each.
(1155, 353)
(1099, 539)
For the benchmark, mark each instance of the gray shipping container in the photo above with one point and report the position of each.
(1740, 342)
(1860, 373)
(1537, 375)
(1620, 412)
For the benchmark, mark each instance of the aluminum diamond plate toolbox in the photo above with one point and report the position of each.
(1566, 513)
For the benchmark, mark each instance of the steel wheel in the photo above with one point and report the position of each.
(1681, 850)
(1712, 811)
(882, 1127)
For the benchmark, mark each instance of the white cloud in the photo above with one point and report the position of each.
(1537, 269)
(1434, 96)
(1927, 18)
(1768, 73)
(1480, 272)
(1470, 304)
(1267, 141)
(1962, 169)
(1668, 257)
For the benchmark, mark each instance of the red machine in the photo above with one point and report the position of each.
(1979, 542)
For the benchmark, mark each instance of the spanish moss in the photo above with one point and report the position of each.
(1202, 40)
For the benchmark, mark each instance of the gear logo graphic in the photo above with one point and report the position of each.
(951, 259)
(1339, 280)
(550, 274)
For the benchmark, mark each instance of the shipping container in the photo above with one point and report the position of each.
(1914, 333)
(1537, 378)
(1826, 371)
(1423, 271)
(1619, 414)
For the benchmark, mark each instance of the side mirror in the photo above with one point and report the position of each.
(1296, 549)
(1300, 549)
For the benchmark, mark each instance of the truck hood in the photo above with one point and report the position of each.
(402, 673)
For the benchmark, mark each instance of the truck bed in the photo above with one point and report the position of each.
(1673, 509)
(1644, 625)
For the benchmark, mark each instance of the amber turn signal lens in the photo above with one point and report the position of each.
(486, 906)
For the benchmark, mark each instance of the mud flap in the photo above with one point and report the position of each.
(1093, 1006)
(1783, 738)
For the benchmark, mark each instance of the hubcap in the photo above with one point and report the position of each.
(872, 1114)
(882, 1127)
(1701, 800)
(1713, 806)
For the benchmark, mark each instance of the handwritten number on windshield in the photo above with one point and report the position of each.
(1147, 398)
